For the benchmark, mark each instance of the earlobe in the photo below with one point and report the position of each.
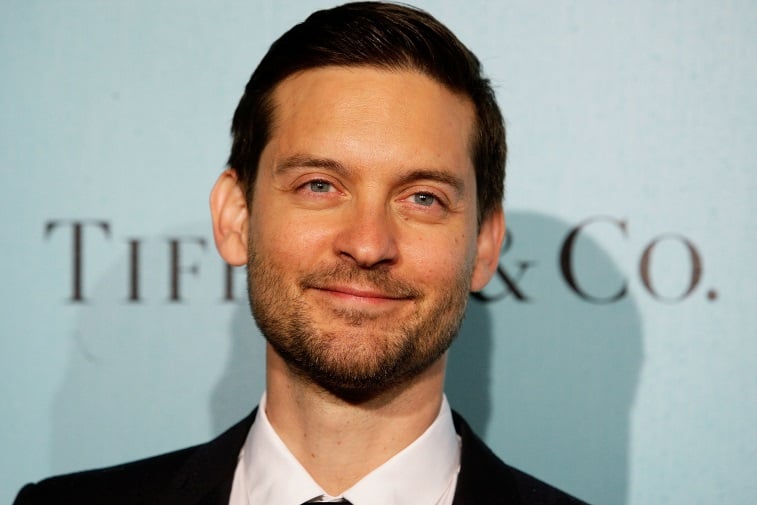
(230, 216)
(488, 246)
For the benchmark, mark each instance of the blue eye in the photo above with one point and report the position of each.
(425, 199)
(319, 186)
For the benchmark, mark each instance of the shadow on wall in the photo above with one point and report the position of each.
(243, 380)
(141, 375)
(550, 382)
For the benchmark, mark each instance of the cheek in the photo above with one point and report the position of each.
(444, 259)
(289, 241)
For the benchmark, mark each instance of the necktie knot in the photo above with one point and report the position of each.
(323, 499)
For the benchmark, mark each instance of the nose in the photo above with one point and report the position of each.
(367, 236)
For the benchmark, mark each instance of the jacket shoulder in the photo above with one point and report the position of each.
(135, 482)
(181, 477)
(485, 478)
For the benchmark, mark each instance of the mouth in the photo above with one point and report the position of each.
(342, 289)
(361, 295)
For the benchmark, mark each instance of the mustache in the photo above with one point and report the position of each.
(378, 279)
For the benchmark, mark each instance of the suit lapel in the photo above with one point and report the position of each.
(206, 477)
(483, 477)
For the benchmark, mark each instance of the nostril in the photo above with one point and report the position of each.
(367, 237)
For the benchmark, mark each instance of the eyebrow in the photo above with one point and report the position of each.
(304, 161)
(441, 176)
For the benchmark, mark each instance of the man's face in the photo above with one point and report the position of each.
(363, 230)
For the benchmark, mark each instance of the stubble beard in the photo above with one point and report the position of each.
(368, 355)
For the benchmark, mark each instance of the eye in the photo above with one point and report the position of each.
(319, 186)
(424, 199)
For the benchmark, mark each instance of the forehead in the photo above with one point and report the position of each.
(394, 114)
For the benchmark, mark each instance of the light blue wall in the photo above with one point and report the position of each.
(639, 113)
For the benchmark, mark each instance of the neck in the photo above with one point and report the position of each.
(339, 442)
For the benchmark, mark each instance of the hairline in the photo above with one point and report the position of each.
(269, 102)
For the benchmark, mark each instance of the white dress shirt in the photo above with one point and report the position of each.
(423, 473)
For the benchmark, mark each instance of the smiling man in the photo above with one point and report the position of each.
(364, 195)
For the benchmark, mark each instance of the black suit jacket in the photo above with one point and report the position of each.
(202, 475)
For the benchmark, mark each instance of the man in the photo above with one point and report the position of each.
(364, 195)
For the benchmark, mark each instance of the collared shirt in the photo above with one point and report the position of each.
(423, 473)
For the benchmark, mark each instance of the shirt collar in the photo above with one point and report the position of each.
(425, 469)
(271, 472)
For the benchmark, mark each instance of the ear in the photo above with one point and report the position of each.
(230, 215)
(490, 236)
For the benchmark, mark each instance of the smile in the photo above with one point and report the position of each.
(355, 294)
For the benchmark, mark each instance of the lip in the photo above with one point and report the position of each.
(360, 294)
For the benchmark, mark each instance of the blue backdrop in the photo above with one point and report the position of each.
(614, 355)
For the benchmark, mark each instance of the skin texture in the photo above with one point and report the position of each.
(362, 244)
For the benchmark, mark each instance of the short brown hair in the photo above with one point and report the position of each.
(381, 35)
